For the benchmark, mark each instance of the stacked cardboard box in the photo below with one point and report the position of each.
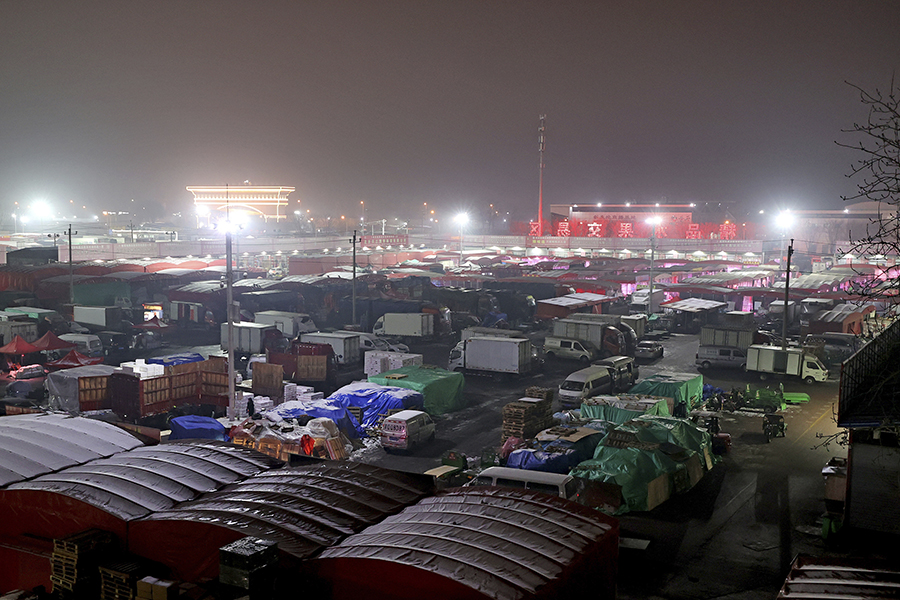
(75, 559)
(525, 417)
(151, 588)
(378, 361)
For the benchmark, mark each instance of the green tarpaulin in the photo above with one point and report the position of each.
(618, 410)
(442, 389)
(684, 388)
(639, 451)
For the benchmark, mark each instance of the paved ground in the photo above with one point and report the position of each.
(735, 534)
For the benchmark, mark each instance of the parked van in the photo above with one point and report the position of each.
(85, 343)
(721, 356)
(406, 430)
(835, 347)
(585, 383)
(623, 369)
(569, 348)
(370, 341)
(554, 484)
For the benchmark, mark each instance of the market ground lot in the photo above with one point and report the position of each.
(735, 534)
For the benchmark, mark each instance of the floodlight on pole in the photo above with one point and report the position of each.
(653, 222)
(461, 219)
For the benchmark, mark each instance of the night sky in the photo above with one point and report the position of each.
(400, 103)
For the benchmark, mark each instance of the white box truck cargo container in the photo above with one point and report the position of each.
(98, 317)
(290, 324)
(493, 355)
(249, 338)
(416, 325)
(27, 330)
(344, 343)
(773, 360)
(470, 332)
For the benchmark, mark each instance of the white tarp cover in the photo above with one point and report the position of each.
(63, 385)
(33, 445)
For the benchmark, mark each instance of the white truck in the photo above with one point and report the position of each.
(405, 325)
(290, 324)
(773, 360)
(27, 330)
(249, 338)
(344, 343)
(98, 318)
(470, 332)
(496, 354)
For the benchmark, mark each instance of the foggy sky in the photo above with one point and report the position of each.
(400, 103)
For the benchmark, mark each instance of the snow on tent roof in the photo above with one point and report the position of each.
(497, 542)
(147, 479)
(33, 445)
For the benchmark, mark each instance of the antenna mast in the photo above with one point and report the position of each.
(541, 178)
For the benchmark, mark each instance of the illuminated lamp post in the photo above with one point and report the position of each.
(653, 222)
(461, 219)
(785, 221)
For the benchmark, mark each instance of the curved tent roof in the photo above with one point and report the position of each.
(146, 479)
(497, 542)
(303, 509)
(34, 445)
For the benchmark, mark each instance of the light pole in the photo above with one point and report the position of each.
(653, 222)
(461, 219)
(15, 223)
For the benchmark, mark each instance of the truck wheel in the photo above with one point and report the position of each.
(549, 356)
(584, 359)
(809, 381)
(705, 365)
(763, 376)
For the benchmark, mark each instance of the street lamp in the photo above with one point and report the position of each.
(15, 223)
(461, 219)
(653, 222)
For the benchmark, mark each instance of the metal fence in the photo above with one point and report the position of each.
(870, 383)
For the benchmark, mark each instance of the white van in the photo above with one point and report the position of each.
(406, 430)
(569, 348)
(721, 356)
(87, 344)
(370, 341)
(624, 371)
(585, 383)
(554, 484)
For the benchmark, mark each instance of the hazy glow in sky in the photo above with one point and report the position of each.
(396, 104)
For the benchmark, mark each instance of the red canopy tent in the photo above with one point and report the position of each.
(50, 341)
(73, 359)
(153, 324)
(18, 346)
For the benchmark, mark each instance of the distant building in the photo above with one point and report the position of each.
(247, 201)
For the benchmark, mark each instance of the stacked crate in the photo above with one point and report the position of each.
(74, 562)
(118, 580)
(525, 417)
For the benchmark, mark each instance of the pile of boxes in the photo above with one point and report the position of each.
(377, 362)
(151, 588)
(142, 369)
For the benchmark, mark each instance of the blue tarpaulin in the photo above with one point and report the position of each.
(377, 399)
(549, 462)
(176, 359)
(316, 409)
(195, 427)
